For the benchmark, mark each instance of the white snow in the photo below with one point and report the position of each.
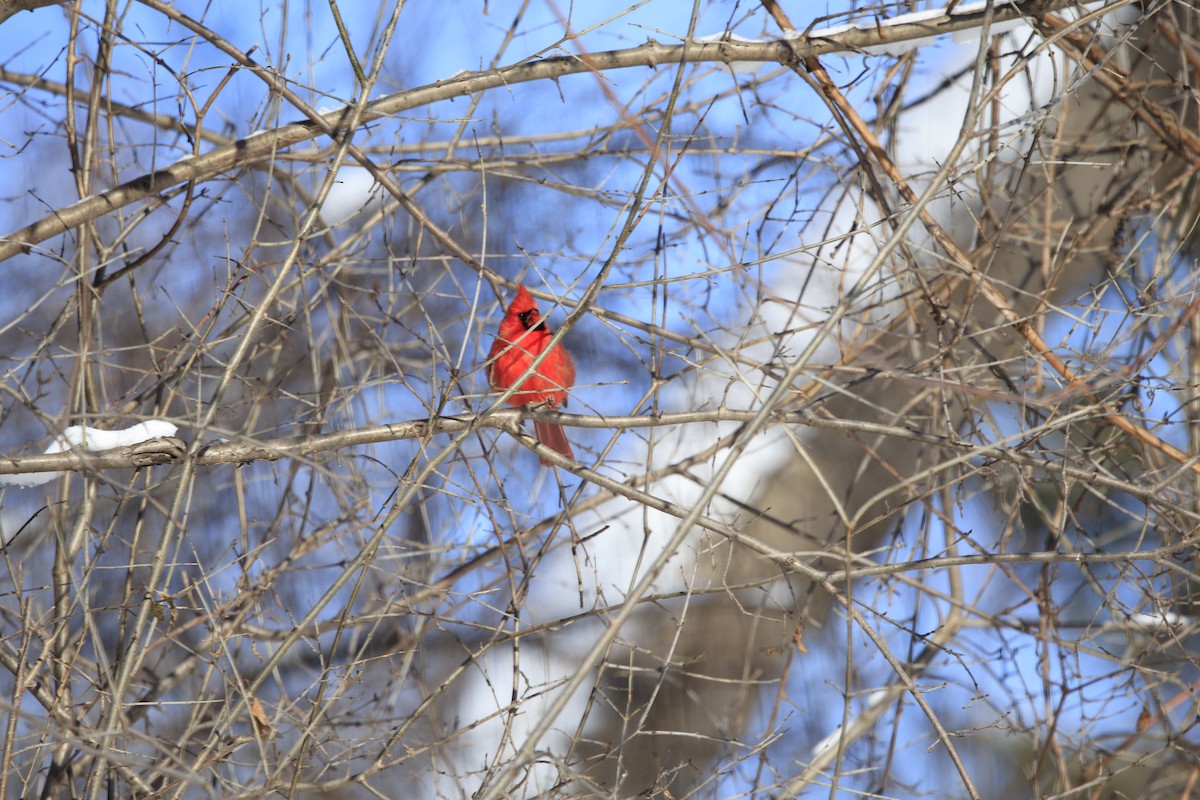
(900, 48)
(83, 437)
(725, 36)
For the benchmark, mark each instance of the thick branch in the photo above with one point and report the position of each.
(10, 8)
(164, 450)
(267, 144)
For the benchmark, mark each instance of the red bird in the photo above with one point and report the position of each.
(523, 337)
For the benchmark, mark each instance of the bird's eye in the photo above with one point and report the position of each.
(528, 318)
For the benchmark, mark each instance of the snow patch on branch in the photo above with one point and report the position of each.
(83, 437)
(916, 18)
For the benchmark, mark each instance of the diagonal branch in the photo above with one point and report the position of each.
(963, 261)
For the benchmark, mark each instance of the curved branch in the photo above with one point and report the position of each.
(266, 144)
(10, 8)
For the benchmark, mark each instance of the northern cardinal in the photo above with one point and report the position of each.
(523, 337)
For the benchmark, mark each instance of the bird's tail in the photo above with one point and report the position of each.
(554, 437)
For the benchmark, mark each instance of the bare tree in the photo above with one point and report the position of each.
(885, 411)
